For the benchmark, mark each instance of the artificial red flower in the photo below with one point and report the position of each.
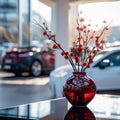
(104, 21)
(106, 28)
(54, 46)
(84, 64)
(66, 57)
(90, 56)
(71, 54)
(77, 27)
(53, 35)
(83, 49)
(79, 49)
(43, 23)
(44, 33)
(80, 45)
(66, 53)
(81, 19)
(101, 47)
(88, 31)
(81, 29)
(89, 25)
(102, 41)
(58, 44)
(94, 51)
(97, 37)
(73, 43)
(87, 66)
(77, 59)
(50, 37)
(62, 53)
(79, 38)
(90, 60)
(84, 27)
(91, 37)
(97, 44)
(84, 42)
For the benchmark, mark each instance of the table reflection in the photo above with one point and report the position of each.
(102, 107)
(79, 113)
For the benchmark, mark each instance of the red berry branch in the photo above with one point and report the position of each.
(83, 51)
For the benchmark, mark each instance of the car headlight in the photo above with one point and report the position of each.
(26, 54)
(30, 53)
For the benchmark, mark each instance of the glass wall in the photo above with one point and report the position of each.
(24, 22)
(9, 21)
(95, 13)
(17, 21)
(40, 13)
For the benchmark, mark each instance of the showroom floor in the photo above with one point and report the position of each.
(22, 90)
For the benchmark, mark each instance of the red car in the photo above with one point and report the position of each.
(34, 59)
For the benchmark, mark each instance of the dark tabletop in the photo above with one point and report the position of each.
(102, 107)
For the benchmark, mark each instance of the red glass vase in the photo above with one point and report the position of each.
(79, 89)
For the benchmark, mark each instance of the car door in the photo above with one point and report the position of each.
(108, 75)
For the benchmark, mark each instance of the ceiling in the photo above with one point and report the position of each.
(74, 2)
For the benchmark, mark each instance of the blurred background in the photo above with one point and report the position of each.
(19, 35)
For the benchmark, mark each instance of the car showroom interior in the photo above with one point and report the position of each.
(59, 59)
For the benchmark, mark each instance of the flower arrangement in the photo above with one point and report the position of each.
(83, 51)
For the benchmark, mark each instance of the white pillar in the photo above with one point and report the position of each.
(62, 29)
(20, 23)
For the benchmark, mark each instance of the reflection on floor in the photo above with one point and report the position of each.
(21, 90)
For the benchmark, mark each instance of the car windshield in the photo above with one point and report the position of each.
(98, 56)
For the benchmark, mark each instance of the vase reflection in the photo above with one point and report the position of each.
(79, 113)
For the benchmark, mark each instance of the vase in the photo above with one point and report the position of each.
(79, 113)
(79, 89)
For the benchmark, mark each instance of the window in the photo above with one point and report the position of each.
(114, 59)
(39, 16)
(9, 21)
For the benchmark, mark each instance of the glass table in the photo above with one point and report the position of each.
(102, 107)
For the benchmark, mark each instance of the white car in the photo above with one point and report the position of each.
(105, 71)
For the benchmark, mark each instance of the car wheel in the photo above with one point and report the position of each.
(36, 69)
